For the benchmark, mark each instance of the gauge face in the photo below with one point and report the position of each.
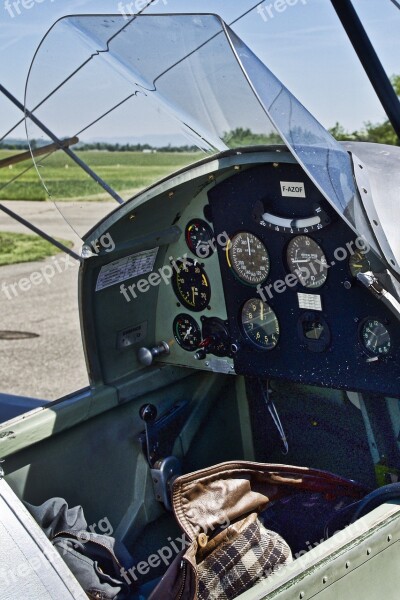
(306, 259)
(375, 338)
(358, 263)
(280, 223)
(248, 258)
(260, 324)
(187, 332)
(199, 237)
(191, 285)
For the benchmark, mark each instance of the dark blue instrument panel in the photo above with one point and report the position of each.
(295, 308)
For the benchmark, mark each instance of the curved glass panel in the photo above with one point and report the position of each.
(158, 81)
(185, 80)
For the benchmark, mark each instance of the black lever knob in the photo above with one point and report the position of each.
(200, 354)
(148, 413)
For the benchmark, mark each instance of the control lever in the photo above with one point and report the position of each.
(147, 355)
(160, 436)
(148, 414)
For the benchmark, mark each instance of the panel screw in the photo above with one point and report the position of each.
(324, 579)
(302, 594)
(369, 551)
(389, 537)
(347, 564)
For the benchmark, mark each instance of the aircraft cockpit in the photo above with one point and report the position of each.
(243, 311)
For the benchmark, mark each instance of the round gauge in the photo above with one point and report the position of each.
(199, 237)
(191, 285)
(187, 332)
(260, 324)
(358, 263)
(248, 257)
(307, 261)
(375, 338)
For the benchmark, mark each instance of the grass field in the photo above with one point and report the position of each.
(126, 172)
(18, 248)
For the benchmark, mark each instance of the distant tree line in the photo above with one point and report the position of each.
(382, 133)
(103, 146)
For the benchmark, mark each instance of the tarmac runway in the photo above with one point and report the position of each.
(41, 352)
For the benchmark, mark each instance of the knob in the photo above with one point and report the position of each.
(148, 413)
(200, 354)
(147, 355)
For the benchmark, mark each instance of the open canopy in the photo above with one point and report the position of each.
(178, 79)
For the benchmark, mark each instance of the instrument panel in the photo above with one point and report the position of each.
(267, 287)
(295, 308)
(253, 273)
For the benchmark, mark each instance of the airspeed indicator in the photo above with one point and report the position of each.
(248, 258)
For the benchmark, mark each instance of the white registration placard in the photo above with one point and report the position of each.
(310, 301)
(293, 189)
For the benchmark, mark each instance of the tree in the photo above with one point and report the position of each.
(381, 133)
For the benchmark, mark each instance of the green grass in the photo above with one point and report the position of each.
(126, 172)
(18, 248)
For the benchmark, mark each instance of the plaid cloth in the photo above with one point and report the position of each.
(235, 566)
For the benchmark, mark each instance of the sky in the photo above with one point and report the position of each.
(301, 41)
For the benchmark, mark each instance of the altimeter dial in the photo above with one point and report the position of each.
(307, 261)
(260, 324)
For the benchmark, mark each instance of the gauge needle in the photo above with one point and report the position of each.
(262, 312)
(193, 294)
(187, 333)
(248, 245)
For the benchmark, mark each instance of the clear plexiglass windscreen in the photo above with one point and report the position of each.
(161, 81)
